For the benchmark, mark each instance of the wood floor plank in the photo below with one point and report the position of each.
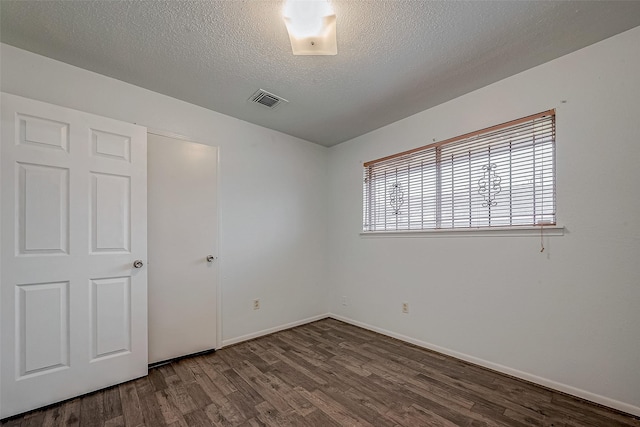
(214, 393)
(181, 399)
(299, 404)
(34, 421)
(589, 410)
(354, 404)
(216, 417)
(170, 413)
(319, 418)
(54, 416)
(215, 374)
(246, 355)
(252, 423)
(521, 390)
(72, 413)
(131, 404)
(151, 410)
(297, 377)
(323, 374)
(230, 413)
(485, 400)
(92, 410)
(412, 395)
(525, 419)
(333, 409)
(422, 416)
(157, 379)
(381, 366)
(166, 370)
(112, 403)
(197, 418)
(299, 368)
(297, 346)
(263, 352)
(367, 400)
(485, 411)
(144, 387)
(251, 397)
(115, 422)
(263, 385)
(270, 416)
(451, 385)
(181, 367)
(198, 395)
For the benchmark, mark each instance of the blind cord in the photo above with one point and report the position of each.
(541, 240)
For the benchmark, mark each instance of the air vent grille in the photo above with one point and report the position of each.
(267, 99)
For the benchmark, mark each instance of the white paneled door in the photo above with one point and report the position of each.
(73, 221)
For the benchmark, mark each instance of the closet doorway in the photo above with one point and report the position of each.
(182, 247)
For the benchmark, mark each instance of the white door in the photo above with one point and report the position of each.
(182, 232)
(73, 220)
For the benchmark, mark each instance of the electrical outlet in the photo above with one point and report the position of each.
(344, 301)
(405, 307)
(256, 304)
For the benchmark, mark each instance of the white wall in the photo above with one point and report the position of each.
(568, 317)
(272, 191)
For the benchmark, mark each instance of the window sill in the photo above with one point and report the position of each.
(551, 230)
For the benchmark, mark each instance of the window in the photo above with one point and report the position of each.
(502, 176)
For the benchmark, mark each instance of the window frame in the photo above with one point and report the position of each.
(549, 217)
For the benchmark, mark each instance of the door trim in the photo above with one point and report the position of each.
(218, 251)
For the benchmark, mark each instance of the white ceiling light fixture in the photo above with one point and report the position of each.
(312, 27)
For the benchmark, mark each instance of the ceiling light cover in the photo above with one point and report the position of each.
(312, 27)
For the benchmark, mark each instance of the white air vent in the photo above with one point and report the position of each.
(266, 99)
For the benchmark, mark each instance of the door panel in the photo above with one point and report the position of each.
(111, 320)
(110, 213)
(42, 132)
(182, 232)
(43, 209)
(110, 145)
(72, 221)
(43, 327)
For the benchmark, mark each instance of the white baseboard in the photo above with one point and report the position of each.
(583, 394)
(268, 331)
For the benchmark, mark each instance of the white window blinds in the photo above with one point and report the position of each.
(501, 176)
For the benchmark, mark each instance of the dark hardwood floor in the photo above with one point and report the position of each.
(326, 373)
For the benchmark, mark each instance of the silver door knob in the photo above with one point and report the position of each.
(210, 258)
(138, 263)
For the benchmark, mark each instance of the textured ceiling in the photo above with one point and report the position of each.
(395, 58)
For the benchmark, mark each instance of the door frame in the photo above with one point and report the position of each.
(180, 137)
